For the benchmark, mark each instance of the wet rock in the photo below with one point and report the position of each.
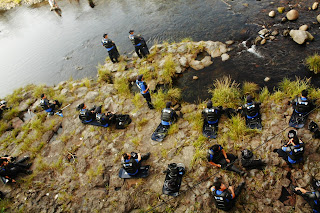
(272, 14)
(195, 77)
(281, 9)
(274, 33)
(257, 40)
(225, 57)
(284, 19)
(304, 27)
(318, 18)
(263, 32)
(266, 79)
(292, 15)
(206, 61)
(197, 65)
(300, 36)
(183, 61)
(263, 41)
(215, 49)
(315, 5)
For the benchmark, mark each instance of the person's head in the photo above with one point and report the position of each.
(126, 156)
(81, 106)
(105, 35)
(3, 162)
(43, 96)
(249, 99)
(140, 77)
(304, 93)
(209, 104)
(131, 32)
(213, 149)
(246, 154)
(168, 104)
(218, 185)
(292, 133)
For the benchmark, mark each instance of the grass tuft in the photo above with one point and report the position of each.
(122, 86)
(104, 75)
(169, 69)
(313, 63)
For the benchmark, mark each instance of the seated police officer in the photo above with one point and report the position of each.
(224, 197)
(85, 114)
(302, 104)
(10, 169)
(104, 118)
(132, 162)
(251, 109)
(312, 197)
(47, 106)
(248, 161)
(219, 158)
(168, 115)
(212, 114)
(3, 106)
(293, 151)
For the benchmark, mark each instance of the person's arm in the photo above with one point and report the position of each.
(301, 189)
(225, 155)
(213, 188)
(139, 157)
(214, 164)
(146, 89)
(232, 191)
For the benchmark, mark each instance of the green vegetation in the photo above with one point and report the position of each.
(313, 63)
(122, 86)
(226, 93)
(169, 69)
(104, 75)
(250, 88)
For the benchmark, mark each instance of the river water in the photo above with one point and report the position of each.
(37, 46)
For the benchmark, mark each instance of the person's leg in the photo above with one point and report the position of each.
(25, 158)
(238, 190)
(231, 157)
(148, 99)
(137, 49)
(98, 110)
(145, 157)
(284, 156)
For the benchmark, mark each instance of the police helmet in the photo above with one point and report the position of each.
(292, 133)
(3, 102)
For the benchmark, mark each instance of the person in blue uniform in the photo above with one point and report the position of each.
(312, 197)
(212, 114)
(139, 44)
(302, 104)
(144, 90)
(111, 48)
(168, 115)
(47, 106)
(251, 109)
(131, 162)
(86, 115)
(293, 151)
(224, 197)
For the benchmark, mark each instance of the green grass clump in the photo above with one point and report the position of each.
(104, 75)
(158, 100)
(264, 94)
(169, 69)
(38, 90)
(147, 74)
(188, 39)
(291, 89)
(122, 86)
(174, 128)
(226, 93)
(137, 100)
(15, 98)
(174, 94)
(250, 88)
(12, 113)
(313, 63)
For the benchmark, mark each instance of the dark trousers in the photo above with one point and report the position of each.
(284, 156)
(55, 105)
(138, 50)
(237, 192)
(224, 163)
(148, 99)
(252, 164)
(114, 55)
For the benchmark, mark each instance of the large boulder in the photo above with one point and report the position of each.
(91, 95)
(300, 36)
(318, 18)
(292, 15)
(206, 61)
(197, 65)
(215, 49)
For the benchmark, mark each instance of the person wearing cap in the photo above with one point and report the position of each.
(312, 197)
(302, 104)
(111, 48)
(131, 162)
(144, 90)
(3, 106)
(248, 161)
(168, 115)
(212, 114)
(292, 152)
(139, 44)
(224, 197)
(219, 158)
(104, 118)
(86, 115)
(251, 109)
(47, 106)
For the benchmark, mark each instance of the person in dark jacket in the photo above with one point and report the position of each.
(293, 151)
(47, 106)
(144, 90)
(139, 44)
(86, 115)
(212, 114)
(248, 161)
(224, 197)
(131, 162)
(10, 169)
(104, 118)
(219, 158)
(251, 109)
(168, 115)
(302, 104)
(111, 48)
(312, 197)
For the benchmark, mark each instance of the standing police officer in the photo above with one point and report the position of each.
(144, 90)
(139, 44)
(111, 47)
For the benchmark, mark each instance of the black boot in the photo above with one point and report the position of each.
(146, 156)
(236, 169)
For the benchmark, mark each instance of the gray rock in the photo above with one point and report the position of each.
(197, 65)
(206, 61)
(272, 14)
(318, 18)
(292, 15)
(81, 91)
(304, 27)
(225, 57)
(300, 36)
(315, 5)
(274, 33)
(183, 61)
(263, 32)
(91, 96)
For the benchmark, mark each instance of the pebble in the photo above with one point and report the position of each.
(304, 27)
(292, 15)
(266, 79)
(274, 33)
(281, 9)
(315, 5)
(272, 14)
(195, 77)
(318, 18)
(263, 41)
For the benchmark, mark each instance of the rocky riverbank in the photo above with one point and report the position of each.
(9, 4)
(90, 182)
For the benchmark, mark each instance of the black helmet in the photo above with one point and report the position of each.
(104, 35)
(246, 154)
(249, 99)
(292, 133)
(209, 104)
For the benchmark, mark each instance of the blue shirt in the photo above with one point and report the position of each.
(126, 161)
(289, 159)
(142, 86)
(219, 192)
